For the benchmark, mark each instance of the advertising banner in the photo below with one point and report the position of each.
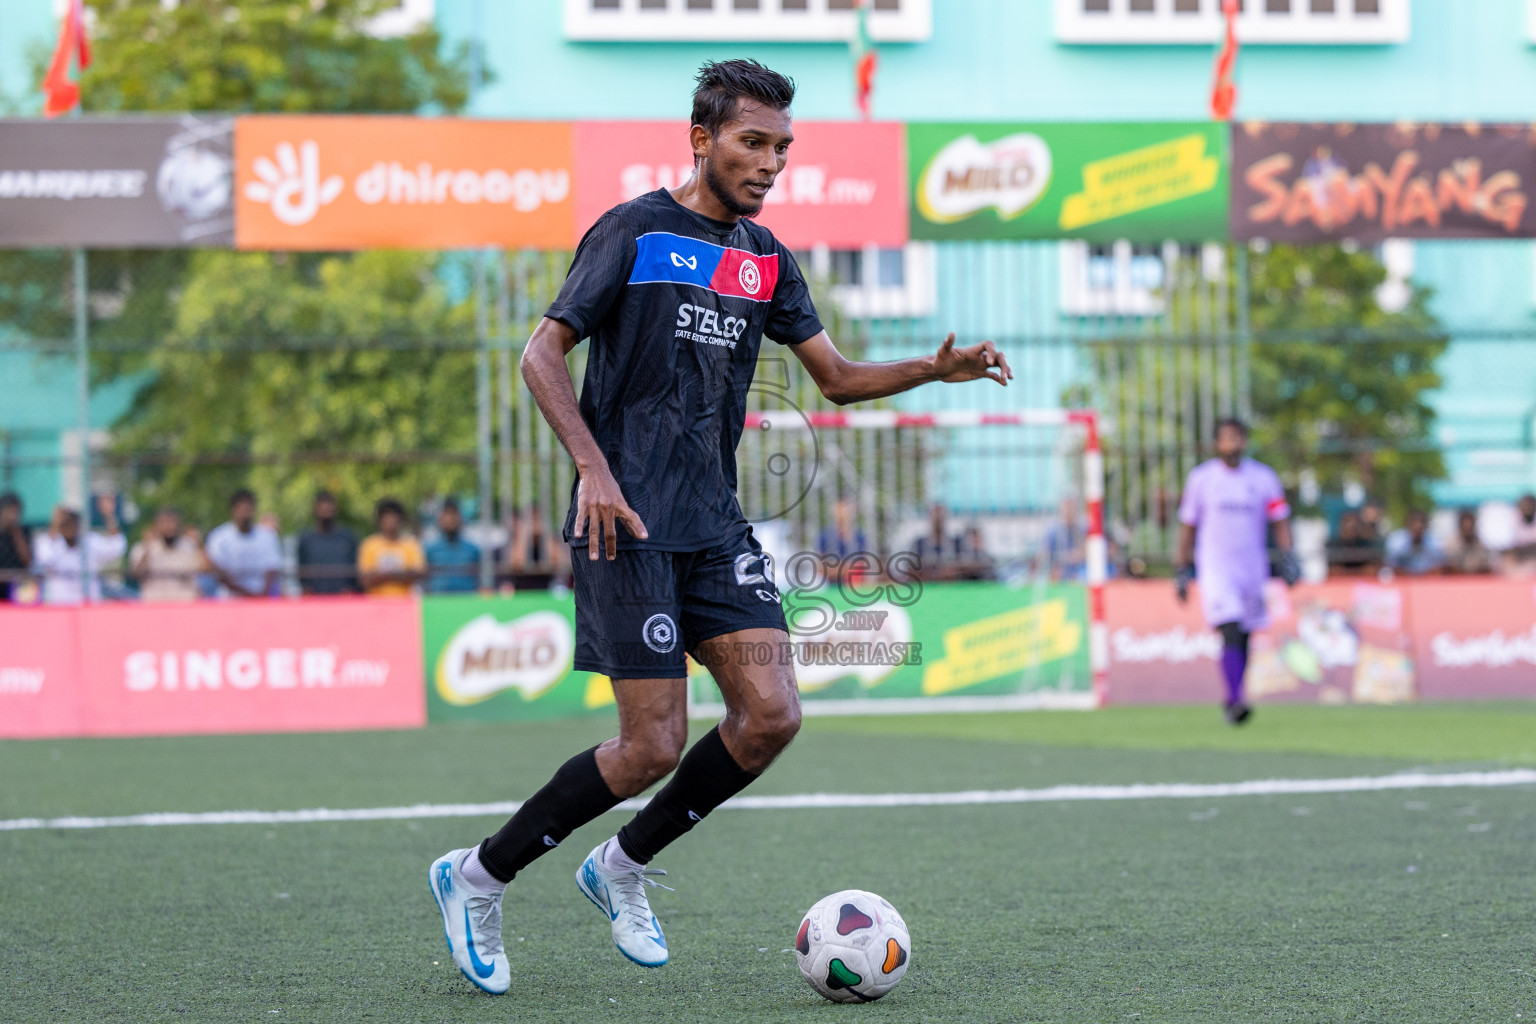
(251, 666)
(39, 673)
(1314, 182)
(904, 642)
(402, 182)
(152, 182)
(505, 658)
(1098, 182)
(844, 186)
(1475, 637)
(1334, 643)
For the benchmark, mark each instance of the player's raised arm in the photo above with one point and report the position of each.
(599, 501)
(843, 380)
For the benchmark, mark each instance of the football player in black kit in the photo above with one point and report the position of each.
(675, 291)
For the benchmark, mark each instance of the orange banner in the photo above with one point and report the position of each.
(402, 182)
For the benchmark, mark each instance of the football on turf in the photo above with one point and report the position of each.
(853, 946)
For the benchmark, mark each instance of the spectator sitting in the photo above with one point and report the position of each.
(1352, 552)
(1469, 556)
(246, 556)
(167, 559)
(15, 549)
(1371, 522)
(938, 550)
(58, 556)
(973, 561)
(841, 540)
(453, 563)
(1520, 556)
(390, 562)
(1411, 550)
(1064, 549)
(531, 559)
(327, 552)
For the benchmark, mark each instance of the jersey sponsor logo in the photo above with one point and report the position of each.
(705, 326)
(664, 258)
(659, 633)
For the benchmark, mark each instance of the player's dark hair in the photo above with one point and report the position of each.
(243, 494)
(388, 505)
(1233, 422)
(722, 82)
(10, 499)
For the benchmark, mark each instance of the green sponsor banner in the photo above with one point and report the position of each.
(1097, 182)
(501, 658)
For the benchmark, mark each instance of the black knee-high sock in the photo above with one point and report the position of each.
(707, 776)
(575, 796)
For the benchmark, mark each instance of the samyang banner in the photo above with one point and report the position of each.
(132, 182)
(1098, 182)
(1315, 182)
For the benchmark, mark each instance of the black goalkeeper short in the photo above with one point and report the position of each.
(638, 614)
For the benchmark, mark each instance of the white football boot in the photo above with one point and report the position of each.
(471, 924)
(621, 895)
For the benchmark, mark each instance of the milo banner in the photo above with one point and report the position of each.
(1099, 182)
(883, 645)
(1313, 182)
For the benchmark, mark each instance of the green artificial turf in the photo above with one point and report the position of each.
(1389, 906)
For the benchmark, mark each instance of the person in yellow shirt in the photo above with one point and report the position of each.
(390, 562)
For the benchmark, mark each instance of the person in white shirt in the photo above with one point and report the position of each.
(59, 559)
(246, 556)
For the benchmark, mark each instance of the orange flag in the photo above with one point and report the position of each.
(60, 93)
(1224, 92)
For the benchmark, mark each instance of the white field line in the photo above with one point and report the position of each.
(801, 801)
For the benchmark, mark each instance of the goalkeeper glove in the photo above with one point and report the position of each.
(1289, 568)
(1182, 578)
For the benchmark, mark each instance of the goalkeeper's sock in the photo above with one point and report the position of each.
(1234, 665)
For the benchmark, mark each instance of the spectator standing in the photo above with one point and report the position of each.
(1520, 556)
(58, 558)
(453, 563)
(390, 561)
(168, 559)
(247, 557)
(533, 561)
(328, 552)
(841, 540)
(1064, 550)
(1352, 552)
(15, 547)
(974, 561)
(1469, 556)
(1411, 550)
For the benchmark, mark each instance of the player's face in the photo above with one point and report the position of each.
(743, 160)
(1230, 444)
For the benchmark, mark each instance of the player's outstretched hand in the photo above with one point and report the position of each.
(599, 505)
(953, 365)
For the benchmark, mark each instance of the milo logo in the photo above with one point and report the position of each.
(530, 654)
(966, 177)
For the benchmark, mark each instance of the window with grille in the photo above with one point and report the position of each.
(1123, 279)
(803, 21)
(1140, 22)
(875, 283)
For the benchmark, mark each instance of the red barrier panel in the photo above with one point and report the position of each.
(224, 667)
(39, 673)
(1475, 637)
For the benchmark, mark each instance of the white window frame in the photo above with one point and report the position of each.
(1530, 20)
(770, 23)
(915, 298)
(1255, 25)
(1077, 296)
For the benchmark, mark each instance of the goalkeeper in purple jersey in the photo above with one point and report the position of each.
(1229, 506)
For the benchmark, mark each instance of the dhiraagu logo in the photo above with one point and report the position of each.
(530, 654)
(967, 176)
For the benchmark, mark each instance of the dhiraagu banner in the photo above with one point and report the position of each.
(865, 647)
(1146, 182)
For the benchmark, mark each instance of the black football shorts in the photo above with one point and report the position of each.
(636, 615)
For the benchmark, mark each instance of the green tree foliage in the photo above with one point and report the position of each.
(1340, 385)
(289, 360)
(260, 413)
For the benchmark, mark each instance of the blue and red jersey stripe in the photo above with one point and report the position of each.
(664, 258)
